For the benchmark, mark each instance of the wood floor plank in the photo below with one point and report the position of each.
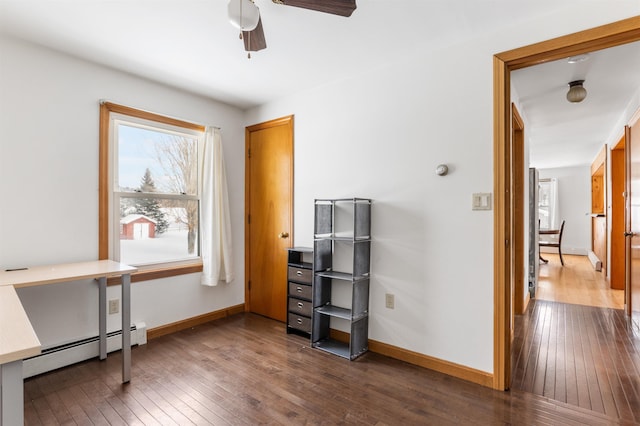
(581, 353)
(58, 408)
(577, 283)
(607, 374)
(560, 384)
(202, 404)
(246, 369)
(31, 414)
(542, 346)
(551, 355)
(590, 363)
(100, 401)
(571, 370)
(599, 358)
(37, 411)
(81, 407)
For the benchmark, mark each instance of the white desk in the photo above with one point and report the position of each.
(18, 339)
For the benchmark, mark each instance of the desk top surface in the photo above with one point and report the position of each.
(18, 340)
(51, 274)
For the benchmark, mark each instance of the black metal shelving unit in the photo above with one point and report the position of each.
(342, 236)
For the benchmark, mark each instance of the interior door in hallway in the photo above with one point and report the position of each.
(269, 215)
(633, 219)
(616, 212)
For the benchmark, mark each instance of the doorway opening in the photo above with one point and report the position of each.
(610, 35)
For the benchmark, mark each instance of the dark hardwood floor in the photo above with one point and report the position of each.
(584, 356)
(245, 370)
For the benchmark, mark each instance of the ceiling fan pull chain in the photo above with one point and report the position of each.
(249, 52)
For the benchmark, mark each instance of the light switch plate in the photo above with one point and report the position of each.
(481, 201)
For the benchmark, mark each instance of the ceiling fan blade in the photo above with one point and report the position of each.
(335, 7)
(254, 40)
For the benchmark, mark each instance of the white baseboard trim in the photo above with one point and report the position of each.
(565, 250)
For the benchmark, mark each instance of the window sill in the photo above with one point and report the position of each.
(154, 274)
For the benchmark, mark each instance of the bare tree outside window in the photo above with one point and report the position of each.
(178, 156)
(158, 214)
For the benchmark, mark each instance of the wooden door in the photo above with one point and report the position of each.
(633, 218)
(616, 235)
(269, 215)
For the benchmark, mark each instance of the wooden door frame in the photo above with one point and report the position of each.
(617, 176)
(282, 121)
(518, 199)
(610, 35)
(627, 219)
(627, 188)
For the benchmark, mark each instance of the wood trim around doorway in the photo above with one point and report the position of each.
(615, 34)
(520, 282)
(616, 214)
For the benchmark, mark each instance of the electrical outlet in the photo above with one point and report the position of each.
(389, 300)
(114, 306)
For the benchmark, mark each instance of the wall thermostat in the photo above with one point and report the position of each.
(442, 170)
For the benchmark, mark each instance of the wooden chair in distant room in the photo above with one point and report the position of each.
(552, 243)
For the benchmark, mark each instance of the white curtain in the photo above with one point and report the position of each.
(554, 211)
(548, 207)
(215, 222)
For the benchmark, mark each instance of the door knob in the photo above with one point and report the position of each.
(283, 235)
(629, 234)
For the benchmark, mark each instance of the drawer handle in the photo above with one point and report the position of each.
(299, 273)
(299, 289)
(299, 321)
(300, 305)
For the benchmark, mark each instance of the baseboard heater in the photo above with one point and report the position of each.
(60, 356)
(595, 261)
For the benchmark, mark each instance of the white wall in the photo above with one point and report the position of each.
(574, 206)
(381, 136)
(49, 186)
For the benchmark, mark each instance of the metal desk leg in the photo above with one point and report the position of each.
(126, 328)
(102, 316)
(11, 394)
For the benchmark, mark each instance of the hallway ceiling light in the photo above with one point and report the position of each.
(576, 92)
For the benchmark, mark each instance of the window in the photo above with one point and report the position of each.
(548, 203)
(149, 190)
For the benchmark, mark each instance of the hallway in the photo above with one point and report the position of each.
(585, 356)
(576, 282)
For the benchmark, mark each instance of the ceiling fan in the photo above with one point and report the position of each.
(245, 15)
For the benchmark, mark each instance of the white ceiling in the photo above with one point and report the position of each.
(189, 44)
(566, 134)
